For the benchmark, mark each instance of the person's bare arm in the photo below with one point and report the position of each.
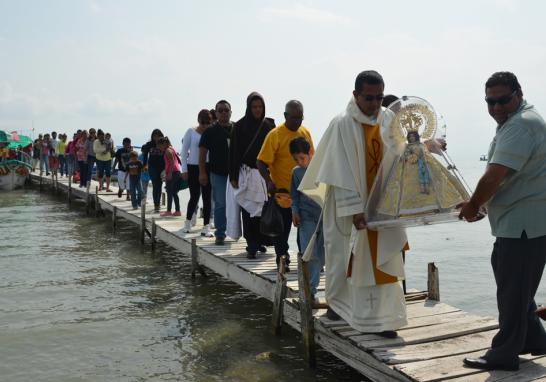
(264, 172)
(487, 187)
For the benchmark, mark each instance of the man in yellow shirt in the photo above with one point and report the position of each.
(275, 164)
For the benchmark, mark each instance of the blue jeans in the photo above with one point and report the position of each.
(219, 185)
(44, 162)
(136, 187)
(315, 264)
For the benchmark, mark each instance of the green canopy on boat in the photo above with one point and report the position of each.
(3, 136)
(23, 141)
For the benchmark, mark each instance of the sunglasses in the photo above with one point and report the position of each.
(370, 98)
(222, 110)
(503, 100)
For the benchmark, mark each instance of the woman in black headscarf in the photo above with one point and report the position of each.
(247, 138)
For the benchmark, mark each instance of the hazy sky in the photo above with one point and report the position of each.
(130, 66)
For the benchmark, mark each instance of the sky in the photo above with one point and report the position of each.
(129, 66)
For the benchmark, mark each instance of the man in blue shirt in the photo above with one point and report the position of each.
(513, 189)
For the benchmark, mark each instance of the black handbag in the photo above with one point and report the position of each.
(271, 222)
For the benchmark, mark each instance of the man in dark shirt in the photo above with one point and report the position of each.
(215, 143)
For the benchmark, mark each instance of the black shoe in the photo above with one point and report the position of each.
(483, 364)
(262, 249)
(331, 315)
(388, 334)
(120, 192)
(251, 255)
(157, 208)
(533, 351)
(219, 241)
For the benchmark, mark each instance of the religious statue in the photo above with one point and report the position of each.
(414, 184)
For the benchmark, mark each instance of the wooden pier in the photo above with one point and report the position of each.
(430, 348)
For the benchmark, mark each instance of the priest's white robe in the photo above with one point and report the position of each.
(336, 179)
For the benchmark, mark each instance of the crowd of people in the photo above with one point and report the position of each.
(235, 167)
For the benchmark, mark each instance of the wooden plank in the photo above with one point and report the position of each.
(440, 369)
(435, 349)
(466, 325)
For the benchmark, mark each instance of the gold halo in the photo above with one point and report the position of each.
(416, 116)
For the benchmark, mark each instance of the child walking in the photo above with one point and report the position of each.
(306, 213)
(134, 171)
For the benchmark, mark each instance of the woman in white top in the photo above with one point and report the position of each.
(190, 173)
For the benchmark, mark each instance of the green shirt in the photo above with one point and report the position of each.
(520, 202)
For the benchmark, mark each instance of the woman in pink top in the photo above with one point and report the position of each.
(172, 176)
(81, 157)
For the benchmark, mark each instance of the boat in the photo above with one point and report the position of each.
(483, 158)
(15, 161)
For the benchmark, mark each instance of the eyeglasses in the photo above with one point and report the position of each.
(502, 100)
(370, 98)
(222, 111)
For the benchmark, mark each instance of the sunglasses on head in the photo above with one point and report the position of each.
(370, 98)
(502, 100)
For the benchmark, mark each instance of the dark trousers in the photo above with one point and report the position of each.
(90, 164)
(172, 186)
(155, 177)
(196, 190)
(518, 265)
(62, 165)
(251, 232)
(83, 172)
(281, 241)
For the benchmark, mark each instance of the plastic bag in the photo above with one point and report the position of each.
(271, 222)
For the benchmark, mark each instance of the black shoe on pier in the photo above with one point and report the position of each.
(262, 249)
(484, 364)
(388, 334)
(219, 241)
(120, 192)
(533, 351)
(251, 255)
(332, 315)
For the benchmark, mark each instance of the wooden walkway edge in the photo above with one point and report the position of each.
(430, 348)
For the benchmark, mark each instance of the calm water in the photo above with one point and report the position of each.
(78, 303)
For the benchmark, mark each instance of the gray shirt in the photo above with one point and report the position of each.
(520, 202)
(89, 147)
(302, 204)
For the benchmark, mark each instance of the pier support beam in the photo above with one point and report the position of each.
(162, 198)
(87, 198)
(278, 298)
(98, 209)
(154, 233)
(306, 312)
(195, 266)
(433, 282)
(114, 217)
(142, 221)
(69, 193)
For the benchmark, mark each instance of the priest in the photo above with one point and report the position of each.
(364, 268)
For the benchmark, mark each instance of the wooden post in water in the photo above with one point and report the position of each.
(162, 198)
(142, 221)
(98, 209)
(306, 312)
(154, 232)
(194, 263)
(278, 297)
(433, 283)
(69, 193)
(87, 198)
(114, 216)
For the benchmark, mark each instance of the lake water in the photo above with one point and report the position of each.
(79, 303)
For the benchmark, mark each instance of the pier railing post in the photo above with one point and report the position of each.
(433, 282)
(142, 220)
(194, 263)
(69, 193)
(306, 312)
(154, 233)
(87, 198)
(97, 202)
(162, 198)
(114, 216)
(41, 177)
(278, 298)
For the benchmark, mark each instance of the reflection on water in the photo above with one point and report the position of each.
(79, 303)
